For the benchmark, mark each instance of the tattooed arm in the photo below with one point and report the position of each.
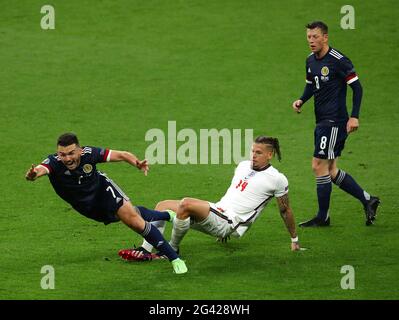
(288, 217)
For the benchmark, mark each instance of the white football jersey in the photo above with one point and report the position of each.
(249, 193)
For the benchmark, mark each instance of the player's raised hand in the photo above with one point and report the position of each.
(297, 104)
(143, 166)
(352, 125)
(31, 174)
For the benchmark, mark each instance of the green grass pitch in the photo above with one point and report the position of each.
(112, 70)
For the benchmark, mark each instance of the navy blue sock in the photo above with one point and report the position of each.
(152, 235)
(323, 195)
(153, 215)
(348, 184)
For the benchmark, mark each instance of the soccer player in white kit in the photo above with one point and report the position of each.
(254, 184)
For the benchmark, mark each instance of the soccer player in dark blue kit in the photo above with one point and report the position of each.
(328, 72)
(73, 174)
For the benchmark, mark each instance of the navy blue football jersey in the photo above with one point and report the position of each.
(77, 187)
(329, 77)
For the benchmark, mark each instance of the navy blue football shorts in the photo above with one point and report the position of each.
(329, 140)
(106, 204)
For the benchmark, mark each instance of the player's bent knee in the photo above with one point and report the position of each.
(187, 203)
(185, 206)
(320, 166)
(315, 167)
(315, 164)
(130, 216)
(184, 203)
(161, 205)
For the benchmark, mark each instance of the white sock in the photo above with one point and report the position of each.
(180, 228)
(160, 224)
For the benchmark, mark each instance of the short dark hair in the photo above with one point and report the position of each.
(66, 139)
(270, 141)
(318, 24)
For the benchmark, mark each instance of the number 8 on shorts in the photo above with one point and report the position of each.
(329, 141)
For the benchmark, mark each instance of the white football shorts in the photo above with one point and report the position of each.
(217, 224)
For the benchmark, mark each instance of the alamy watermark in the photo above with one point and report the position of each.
(48, 280)
(48, 20)
(348, 20)
(348, 280)
(187, 146)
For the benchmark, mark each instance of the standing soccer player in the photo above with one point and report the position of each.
(328, 72)
(73, 174)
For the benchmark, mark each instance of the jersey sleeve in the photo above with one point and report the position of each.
(281, 186)
(308, 78)
(347, 70)
(50, 164)
(98, 155)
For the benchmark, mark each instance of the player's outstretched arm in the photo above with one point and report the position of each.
(288, 217)
(35, 172)
(129, 158)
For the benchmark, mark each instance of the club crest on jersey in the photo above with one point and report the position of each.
(325, 71)
(87, 168)
(251, 174)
